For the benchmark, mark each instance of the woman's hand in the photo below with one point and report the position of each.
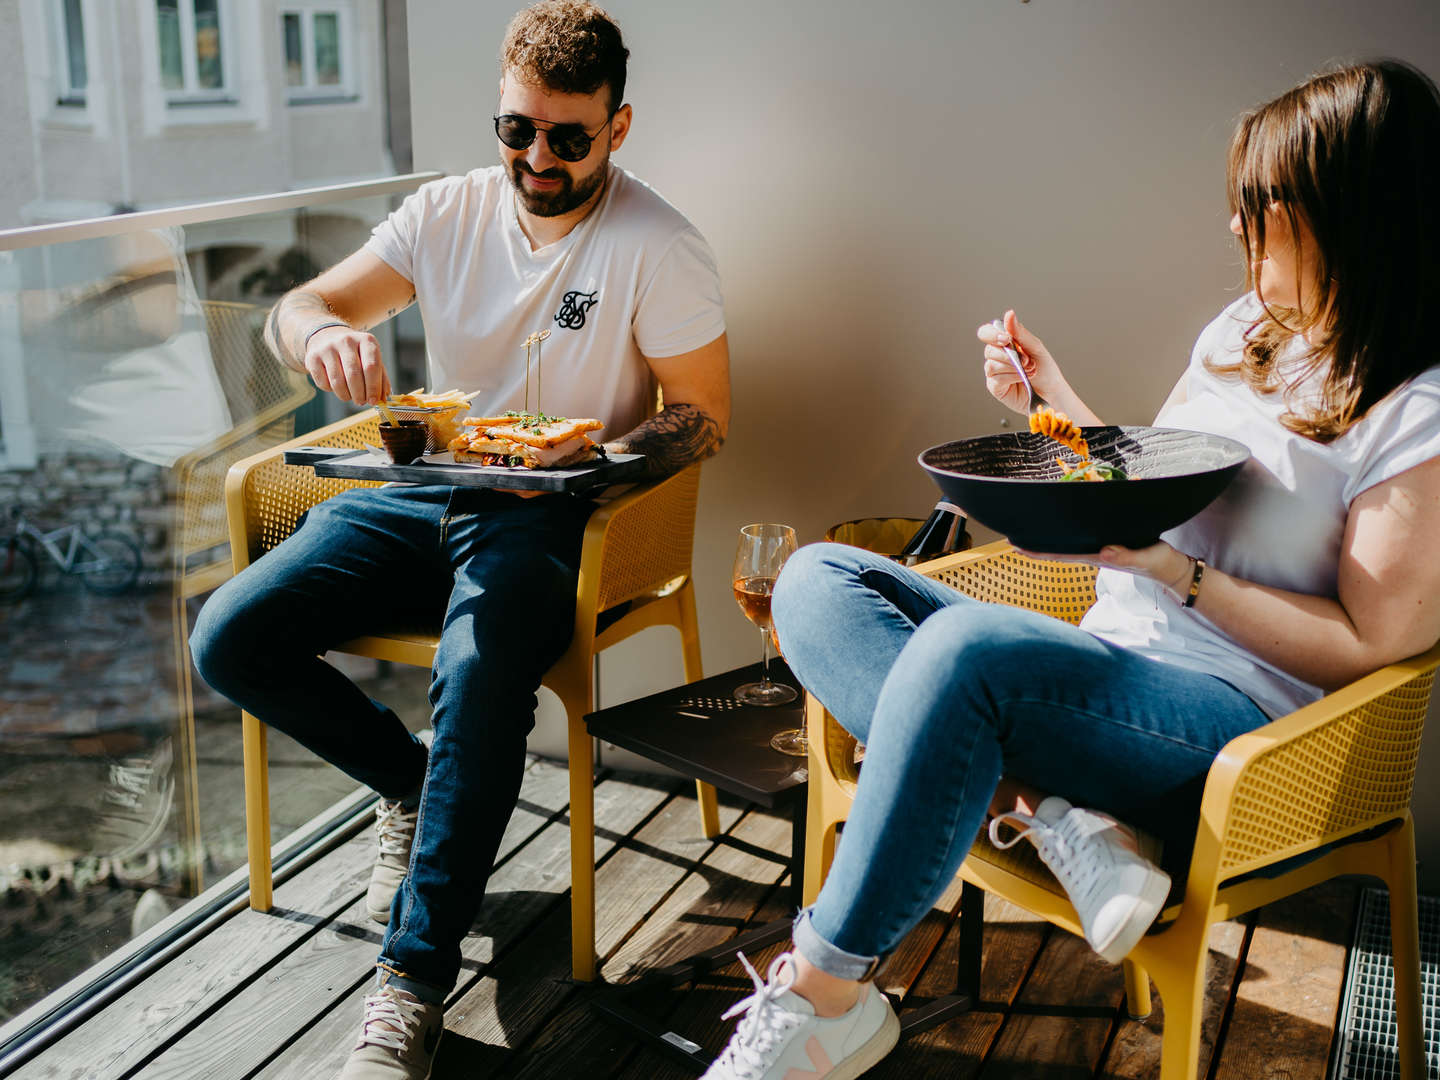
(1158, 562)
(1040, 367)
(1001, 378)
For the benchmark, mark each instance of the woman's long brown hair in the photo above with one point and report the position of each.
(1354, 154)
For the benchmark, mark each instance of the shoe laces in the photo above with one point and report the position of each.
(759, 1037)
(391, 1019)
(1072, 848)
(395, 826)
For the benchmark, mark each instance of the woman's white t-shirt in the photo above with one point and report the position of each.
(1281, 521)
(634, 279)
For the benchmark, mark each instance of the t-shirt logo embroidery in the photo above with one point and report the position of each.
(571, 315)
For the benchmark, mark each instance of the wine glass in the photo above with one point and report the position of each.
(761, 553)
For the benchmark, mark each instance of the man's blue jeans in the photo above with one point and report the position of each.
(948, 694)
(503, 571)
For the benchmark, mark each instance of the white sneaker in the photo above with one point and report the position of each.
(1116, 890)
(395, 827)
(781, 1038)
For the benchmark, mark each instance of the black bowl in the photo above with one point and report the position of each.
(1012, 483)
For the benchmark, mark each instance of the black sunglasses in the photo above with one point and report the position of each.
(568, 142)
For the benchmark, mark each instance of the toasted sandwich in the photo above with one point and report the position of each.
(525, 441)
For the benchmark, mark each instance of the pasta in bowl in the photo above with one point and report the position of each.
(1016, 484)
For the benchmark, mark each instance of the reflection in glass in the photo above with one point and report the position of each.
(172, 66)
(75, 46)
(207, 45)
(294, 57)
(327, 48)
(135, 363)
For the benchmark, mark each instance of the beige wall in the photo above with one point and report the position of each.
(878, 179)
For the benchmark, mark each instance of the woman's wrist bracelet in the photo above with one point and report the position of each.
(1197, 572)
(323, 326)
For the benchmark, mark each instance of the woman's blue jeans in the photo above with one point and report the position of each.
(949, 693)
(502, 570)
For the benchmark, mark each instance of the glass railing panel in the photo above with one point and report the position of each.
(132, 374)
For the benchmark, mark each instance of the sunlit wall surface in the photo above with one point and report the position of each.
(131, 376)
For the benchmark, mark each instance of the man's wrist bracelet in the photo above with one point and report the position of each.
(323, 326)
(1196, 573)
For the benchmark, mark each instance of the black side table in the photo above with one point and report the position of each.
(702, 732)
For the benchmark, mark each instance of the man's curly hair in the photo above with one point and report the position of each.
(568, 46)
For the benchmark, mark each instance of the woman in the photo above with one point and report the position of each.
(1316, 566)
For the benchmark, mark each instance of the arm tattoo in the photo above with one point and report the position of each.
(673, 438)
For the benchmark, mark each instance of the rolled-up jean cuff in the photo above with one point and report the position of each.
(825, 956)
(432, 995)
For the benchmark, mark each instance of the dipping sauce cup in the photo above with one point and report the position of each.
(404, 441)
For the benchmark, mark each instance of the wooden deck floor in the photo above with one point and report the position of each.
(277, 996)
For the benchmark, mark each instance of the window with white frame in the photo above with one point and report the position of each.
(316, 46)
(72, 73)
(193, 51)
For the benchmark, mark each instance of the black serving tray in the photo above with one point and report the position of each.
(441, 469)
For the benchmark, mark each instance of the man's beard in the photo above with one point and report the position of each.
(561, 200)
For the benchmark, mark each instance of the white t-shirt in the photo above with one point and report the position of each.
(633, 279)
(1281, 521)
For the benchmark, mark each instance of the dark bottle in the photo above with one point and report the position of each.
(942, 533)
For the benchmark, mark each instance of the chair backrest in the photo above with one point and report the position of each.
(1343, 769)
(998, 573)
(644, 545)
(275, 495)
(262, 396)
(253, 380)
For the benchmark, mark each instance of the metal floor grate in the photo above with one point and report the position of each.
(1365, 1043)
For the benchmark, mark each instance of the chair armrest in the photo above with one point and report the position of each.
(1336, 767)
(265, 498)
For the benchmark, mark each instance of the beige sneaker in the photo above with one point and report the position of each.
(398, 1038)
(395, 827)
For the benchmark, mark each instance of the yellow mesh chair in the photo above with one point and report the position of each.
(262, 396)
(1322, 792)
(634, 574)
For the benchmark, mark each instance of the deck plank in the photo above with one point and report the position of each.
(711, 905)
(955, 1050)
(161, 1008)
(281, 993)
(518, 899)
(278, 1003)
(1289, 993)
(571, 1040)
(698, 1011)
(522, 992)
(1063, 1015)
(1136, 1048)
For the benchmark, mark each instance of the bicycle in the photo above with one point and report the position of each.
(106, 563)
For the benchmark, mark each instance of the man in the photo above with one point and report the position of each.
(554, 238)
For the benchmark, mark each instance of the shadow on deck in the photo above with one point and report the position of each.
(278, 995)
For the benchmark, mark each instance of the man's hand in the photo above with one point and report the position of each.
(359, 292)
(347, 363)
